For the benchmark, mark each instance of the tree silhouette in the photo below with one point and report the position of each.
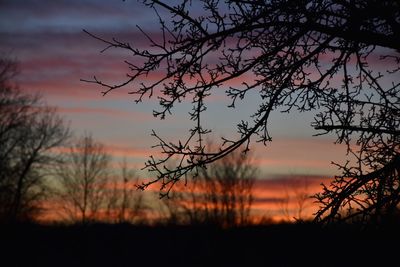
(124, 203)
(339, 58)
(219, 195)
(296, 192)
(29, 132)
(83, 178)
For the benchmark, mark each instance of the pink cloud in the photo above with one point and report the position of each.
(119, 151)
(139, 116)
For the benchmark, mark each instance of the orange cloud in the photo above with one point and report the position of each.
(286, 197)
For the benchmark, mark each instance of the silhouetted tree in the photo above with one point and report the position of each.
(29, 132)
(296, 198)
(83, 178)
(220, 195)
(124, 202)
(337, 57)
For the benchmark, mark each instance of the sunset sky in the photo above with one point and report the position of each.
(54, 54)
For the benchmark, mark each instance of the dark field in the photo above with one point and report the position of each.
(126, 245)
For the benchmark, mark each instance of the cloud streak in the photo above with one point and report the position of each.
(106, 111)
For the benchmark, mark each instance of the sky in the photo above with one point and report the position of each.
(54, 53)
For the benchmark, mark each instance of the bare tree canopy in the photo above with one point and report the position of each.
(29, 132)
(124, 203)
(220, 195)
(339, 58)
(83, 180)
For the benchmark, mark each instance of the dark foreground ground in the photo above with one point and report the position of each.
(126, 245)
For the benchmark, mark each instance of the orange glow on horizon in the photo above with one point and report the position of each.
(275, 200)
